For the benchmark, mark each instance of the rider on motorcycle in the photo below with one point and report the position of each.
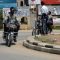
(11, 23)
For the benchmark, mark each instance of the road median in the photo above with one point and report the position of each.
(40, 46)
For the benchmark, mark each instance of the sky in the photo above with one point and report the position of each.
(7, 1)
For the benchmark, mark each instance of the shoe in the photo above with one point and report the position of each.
(4, 37)
(15, 40)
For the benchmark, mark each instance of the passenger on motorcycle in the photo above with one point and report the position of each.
(11, 23)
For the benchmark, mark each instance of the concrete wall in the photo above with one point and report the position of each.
(18, 2)
(31, 18)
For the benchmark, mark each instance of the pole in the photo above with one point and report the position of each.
(37, 11)
(36, 17)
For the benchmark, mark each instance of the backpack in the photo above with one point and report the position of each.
(50, 21)
(15, 22)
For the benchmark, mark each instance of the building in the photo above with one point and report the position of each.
(26, 21)
(22, 3)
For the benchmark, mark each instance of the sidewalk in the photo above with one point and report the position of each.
(56, 31)
(25, 30)
(45, 47)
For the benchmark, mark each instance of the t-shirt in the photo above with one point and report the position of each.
(44, 9)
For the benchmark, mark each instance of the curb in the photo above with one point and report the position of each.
(42, 47)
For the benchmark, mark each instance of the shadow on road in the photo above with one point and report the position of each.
(4, 44)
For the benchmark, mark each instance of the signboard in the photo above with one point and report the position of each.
(51, 1)
(7, 1)
(34, 1)
(6, 12)
(23, 12)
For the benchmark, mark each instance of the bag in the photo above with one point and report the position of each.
(13, 22)
(50, 21)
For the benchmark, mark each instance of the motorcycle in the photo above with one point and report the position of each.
(9, 36)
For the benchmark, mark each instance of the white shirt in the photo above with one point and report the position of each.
(44, 9)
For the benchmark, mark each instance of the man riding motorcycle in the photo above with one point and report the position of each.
(11, 24)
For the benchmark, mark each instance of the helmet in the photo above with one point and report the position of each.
(12, 10)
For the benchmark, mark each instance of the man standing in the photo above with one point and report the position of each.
(44, 18)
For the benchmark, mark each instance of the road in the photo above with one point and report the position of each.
(19, 52)
(22, 35)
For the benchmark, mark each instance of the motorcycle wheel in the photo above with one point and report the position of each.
(8, 43)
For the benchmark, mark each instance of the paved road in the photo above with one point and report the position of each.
(19, 52)
(22, 35)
